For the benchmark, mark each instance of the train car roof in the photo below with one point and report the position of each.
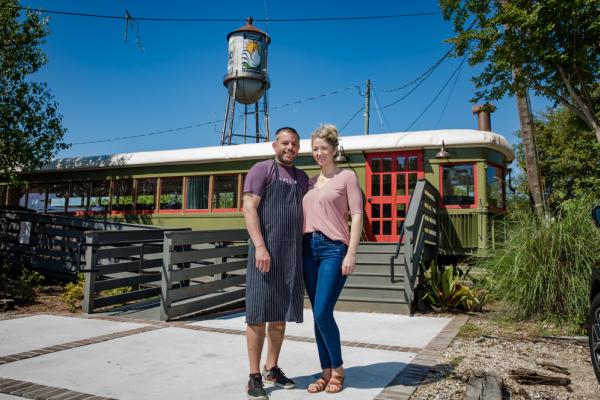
(452, 138)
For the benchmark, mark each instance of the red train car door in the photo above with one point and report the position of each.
(390, 180)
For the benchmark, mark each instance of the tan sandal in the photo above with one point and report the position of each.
(318, 386)
(335, 384)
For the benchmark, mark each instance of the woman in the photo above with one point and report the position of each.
(329, 249)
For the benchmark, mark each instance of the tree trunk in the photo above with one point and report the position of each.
(531, 160)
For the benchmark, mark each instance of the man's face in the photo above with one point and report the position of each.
(286, 147)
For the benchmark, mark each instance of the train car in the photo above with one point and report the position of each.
(201, 188)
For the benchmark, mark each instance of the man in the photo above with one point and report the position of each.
(273, 192)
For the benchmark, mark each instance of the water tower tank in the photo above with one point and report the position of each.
(247, 63)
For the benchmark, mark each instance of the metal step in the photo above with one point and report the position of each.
(374, 247)
(380, 292)
(375, 279)
(379, 258)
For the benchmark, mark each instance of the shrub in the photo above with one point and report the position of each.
(18, 282)
(543, 268)
(444, 289)
(73, 293)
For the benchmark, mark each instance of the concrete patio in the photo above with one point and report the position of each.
(99, 356)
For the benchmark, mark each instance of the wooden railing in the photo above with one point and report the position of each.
(51, 244)
(130, 260)
(420, 238)
(214, 264)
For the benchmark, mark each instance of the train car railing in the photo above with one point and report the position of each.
(121, 266)
(420, 238)
(213, 263)
(51, 244)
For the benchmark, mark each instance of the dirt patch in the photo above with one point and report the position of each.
(498, 347)
(47, 301)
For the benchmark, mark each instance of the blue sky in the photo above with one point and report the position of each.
(108, 88)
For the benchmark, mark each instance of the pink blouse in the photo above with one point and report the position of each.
(326, 209)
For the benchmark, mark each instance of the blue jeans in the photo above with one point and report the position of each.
(324, 281)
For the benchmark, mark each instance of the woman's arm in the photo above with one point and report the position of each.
(349, 261)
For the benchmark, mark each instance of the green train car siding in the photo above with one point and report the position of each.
(158, 188)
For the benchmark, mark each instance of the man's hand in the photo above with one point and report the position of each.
(263, 259)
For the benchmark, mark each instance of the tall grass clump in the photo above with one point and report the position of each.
(543, 269)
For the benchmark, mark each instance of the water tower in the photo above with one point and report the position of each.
(246, 81)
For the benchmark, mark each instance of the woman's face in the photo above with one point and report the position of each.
(322, 152)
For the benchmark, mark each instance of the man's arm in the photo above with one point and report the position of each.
(262, 256)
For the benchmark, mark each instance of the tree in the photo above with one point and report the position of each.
(30, 124)
(552, 43)
(568, 156)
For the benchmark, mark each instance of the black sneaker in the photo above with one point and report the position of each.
(275, 376)
(255, 388)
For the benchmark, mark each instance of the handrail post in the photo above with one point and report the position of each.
(165, 286)
(89, 274)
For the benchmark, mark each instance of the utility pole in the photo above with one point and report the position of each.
(367, 106)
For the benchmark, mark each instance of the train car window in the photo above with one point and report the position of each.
(197, 193)
(401, 163)
(145, 194)
(122, 197)
(495, 186)
(376, 164)
(458, 184)
(20, 195)
(387, 165)
(79, 197)
(401, 184)
(3, 194)
(412, 182)
(57, 198)
(100, 197)
(225, 192)
(171, 193)
(36, 200)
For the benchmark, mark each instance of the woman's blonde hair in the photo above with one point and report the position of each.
(329, 133)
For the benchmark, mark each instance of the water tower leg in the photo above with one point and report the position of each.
(225, 119)
(245, 122)
(232, 113)
(256, 119)
(266, 112)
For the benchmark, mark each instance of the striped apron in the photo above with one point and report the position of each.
(278, 295)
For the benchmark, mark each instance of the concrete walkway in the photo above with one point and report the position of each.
(98, 357)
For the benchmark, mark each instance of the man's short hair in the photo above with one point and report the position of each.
(287, 129)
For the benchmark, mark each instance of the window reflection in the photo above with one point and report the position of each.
(145, 198)
(36, 200)
(458, 184)
(79, 197)
(100, 196)
(122, 198)
(171, 193)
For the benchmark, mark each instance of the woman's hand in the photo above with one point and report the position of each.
(348, 264)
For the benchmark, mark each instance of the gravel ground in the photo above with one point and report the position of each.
(484, 346)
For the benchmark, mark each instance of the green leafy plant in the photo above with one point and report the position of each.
(543, 268)
(17, 282)
(73, 293)
(444, 289)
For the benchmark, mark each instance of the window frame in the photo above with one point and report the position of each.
(235, 200)
(503, 173)
(186, 184)
(475, 186)
(159, 209)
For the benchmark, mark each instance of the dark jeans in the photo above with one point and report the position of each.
(324, 282)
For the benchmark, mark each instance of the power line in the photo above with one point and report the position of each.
(351, 118)
(172, 130)
(427, 72)
(449, 96)
(380, 113)
(310, 19)
(438, 93)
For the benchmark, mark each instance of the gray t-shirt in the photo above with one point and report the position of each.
(262, 174)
